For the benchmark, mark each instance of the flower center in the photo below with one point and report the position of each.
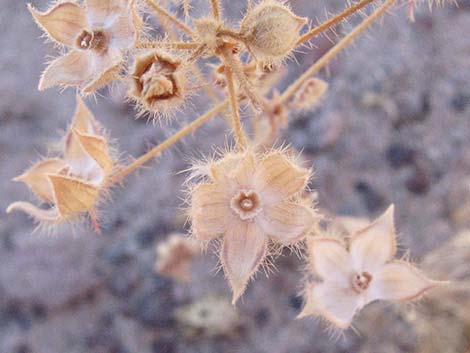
(246, 204)
(361, 281)
(92, 40)
(157, 82)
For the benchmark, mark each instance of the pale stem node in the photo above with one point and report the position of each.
(216, 9)
(169, 17)
(333, 21)
(333, 52)
(171, 45)
(139, 162)
(240, 137)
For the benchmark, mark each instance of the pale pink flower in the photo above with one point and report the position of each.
(97, 35)
(250, 199)
(366, 272)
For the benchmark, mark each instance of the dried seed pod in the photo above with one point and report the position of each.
(271, 30)
(158, 82)
(310, 94)
(71, 184)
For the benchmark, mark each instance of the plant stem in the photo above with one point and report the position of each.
(240, 138)
(175, 45)
(333, 52)
(168, 16)
(333, 21)
(119, 175)
(216, 9)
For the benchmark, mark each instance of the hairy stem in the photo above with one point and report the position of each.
(216, 9)
(245, 84)
(169, 17)
(240, 137)
(333, 21)
(139, 162)
(173, 45)
(333, 52)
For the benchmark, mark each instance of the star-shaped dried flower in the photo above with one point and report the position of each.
(366, 272)
(250, 199)
(97, 35)
(71, 183)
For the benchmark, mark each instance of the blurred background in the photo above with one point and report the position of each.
(393, 128)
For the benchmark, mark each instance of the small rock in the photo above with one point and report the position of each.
(418, 183)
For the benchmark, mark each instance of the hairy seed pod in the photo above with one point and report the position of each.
(271, 30)
(158, 82)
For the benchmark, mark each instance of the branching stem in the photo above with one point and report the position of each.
(333, 21)
(333, 52)
(139, 162)
(169, 17)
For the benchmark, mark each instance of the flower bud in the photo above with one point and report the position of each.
(271, 30)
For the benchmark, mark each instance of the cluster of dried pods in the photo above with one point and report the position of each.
(253, 197)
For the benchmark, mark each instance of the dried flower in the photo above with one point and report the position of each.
(175, 255)
(309, 94)
(73, 182)
(97, 36)
(158, 82)
(365, 273)
(270, 30)
(250, 199)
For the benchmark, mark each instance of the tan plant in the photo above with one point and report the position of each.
(253, 195)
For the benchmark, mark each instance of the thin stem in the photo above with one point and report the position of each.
(119, 175)
(333, 21)
(333, 52)
(216, 9)
(168, 16)
(175, 45)
(240, 137)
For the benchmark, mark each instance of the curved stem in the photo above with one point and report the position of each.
(119, 175)
(168, 16)
(174, 45)
(333, 52)
(333, 21)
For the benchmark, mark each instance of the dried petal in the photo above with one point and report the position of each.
(123, 32)
(210, 211)
(277, 178)
(105, 68)
(399, 280)
(330, 260)
(63, 22)
(102, 11)
(243, 174)
(73, 196)
(71, 69)
(36, 177)
(287, 222)
(243, 251)
(335, 303)
(97, 148)
(375, 245)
